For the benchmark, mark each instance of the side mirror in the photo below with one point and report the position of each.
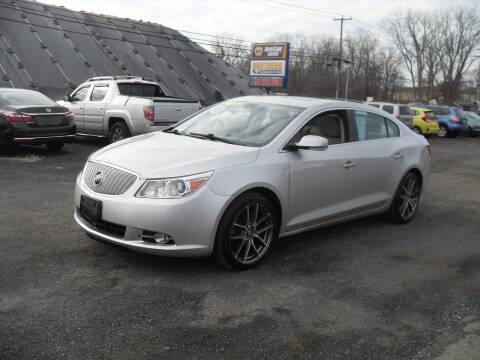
(66, 98)
(310, 142)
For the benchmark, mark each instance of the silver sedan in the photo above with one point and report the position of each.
(232, 178)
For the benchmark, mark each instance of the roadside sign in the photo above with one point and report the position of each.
(269, 65)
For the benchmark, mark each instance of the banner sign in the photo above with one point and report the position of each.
(269, 65)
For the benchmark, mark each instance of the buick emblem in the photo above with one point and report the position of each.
(97, 180)
(48, 110)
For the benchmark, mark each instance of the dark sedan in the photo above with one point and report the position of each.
(29, 117)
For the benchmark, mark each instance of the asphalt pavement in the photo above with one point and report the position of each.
(366, 289)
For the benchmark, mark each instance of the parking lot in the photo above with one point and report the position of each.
(361, 290)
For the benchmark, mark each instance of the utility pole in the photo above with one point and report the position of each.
(342, 19)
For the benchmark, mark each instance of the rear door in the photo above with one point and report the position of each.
(95, 109)
(77, 106)
(405, 115)
(378, 156)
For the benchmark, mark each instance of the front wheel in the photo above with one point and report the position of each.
(245, 232)
(118, 131)
(417, 130)
(442, 131)
(405, 203)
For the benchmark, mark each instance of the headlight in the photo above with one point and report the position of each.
(173, 188)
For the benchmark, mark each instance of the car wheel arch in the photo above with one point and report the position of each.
(114, 119)
(269, 193)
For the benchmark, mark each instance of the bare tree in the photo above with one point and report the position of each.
(410, 33)
(233, 50)
(460, 36)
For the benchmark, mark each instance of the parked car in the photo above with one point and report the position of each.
(473, 122)
(399, 111)
(231, 179)
(29, 117)
(452, 121)
(118, 107)
(424, 121)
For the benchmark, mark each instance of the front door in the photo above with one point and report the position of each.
(322, 183)
(95, 109)
(77, 106)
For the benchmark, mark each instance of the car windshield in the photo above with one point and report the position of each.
(25, 98)
(241, 122)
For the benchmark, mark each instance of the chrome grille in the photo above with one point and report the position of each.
(113, 181)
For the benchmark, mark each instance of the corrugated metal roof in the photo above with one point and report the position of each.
(53, 49)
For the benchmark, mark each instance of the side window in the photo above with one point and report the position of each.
(393, 130)
(81, 94)
(99, 92)
(415, 112)
(330, 125)
(388, 108)
(370, 126)
(374, 105)
(405, 110)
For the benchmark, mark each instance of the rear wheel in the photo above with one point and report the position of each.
(245, 232)
(405, 203)
(417, 130)
(55, 145)
(118, 131)
(442, 131)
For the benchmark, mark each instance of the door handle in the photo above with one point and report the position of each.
(80, 108)
(178, 109)
(349, 164)
(101, 108)
(398, 156)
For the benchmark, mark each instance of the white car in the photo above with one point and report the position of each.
(231, 179)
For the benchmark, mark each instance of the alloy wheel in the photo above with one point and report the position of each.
(118, 134)
(442, 132)
(251, 233)
(409, 195)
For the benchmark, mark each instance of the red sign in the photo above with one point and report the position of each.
(266, 82)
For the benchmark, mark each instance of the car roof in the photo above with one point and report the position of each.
(16, 89)
(298, 101)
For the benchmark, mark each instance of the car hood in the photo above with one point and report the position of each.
(159, 154)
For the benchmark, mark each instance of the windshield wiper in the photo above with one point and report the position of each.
(213, 137)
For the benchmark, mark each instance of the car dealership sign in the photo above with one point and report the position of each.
(269, 65)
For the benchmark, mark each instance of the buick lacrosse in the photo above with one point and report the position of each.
(232, 178)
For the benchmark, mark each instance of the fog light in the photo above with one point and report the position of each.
(157, 237)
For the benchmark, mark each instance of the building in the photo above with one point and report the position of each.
(52, 49)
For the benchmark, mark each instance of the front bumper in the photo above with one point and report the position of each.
(190, 221)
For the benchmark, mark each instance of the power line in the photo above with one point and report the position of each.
(304, 7)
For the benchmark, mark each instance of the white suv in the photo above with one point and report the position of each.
(400, 111)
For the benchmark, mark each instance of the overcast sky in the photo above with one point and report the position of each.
(256, 20)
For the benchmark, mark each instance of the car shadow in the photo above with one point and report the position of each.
(15, 151)
(292, 246)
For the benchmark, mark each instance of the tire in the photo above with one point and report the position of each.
(241, 244)
(442, 131)
(55, 145)
(417, 130)
(118, 131)
(406, 200)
